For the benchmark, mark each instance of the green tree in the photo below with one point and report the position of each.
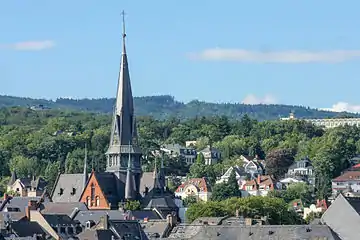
(226, 190)
(132, 205)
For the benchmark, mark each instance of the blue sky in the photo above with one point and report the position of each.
(293, 52)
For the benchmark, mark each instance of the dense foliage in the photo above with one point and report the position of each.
(161, 107)
(49, 141)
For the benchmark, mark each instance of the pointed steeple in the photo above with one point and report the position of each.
(85, 177)
(159, 183)
(13, 178)
(130, 183)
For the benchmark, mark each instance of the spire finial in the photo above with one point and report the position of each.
(123, 23)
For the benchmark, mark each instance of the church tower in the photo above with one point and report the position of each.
(124, 154)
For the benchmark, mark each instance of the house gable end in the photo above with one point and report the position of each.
(96, 199)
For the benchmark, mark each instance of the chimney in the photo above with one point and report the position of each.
(27, 212)
(169, 220)
(146, 219)
(258, 179)
(104, 221)
(5, 196)
(237, 213)
(32, 204)
(248, 221)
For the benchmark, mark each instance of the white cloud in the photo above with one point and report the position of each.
(343, 107)
(290, 56)
(252, 99)
(30, 45)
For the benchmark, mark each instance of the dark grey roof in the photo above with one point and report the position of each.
(13, 216)
(142, 214)
(62, 208)
(128, 229)
(59, 219)
(27, 228)
(99, 234)
(147, 180)
(108, 183)
(155, 228)
(278, 232)
(19, 203)
(12, 178)
(68, 183)
(165, 203)
(343, 217)
(84, 216)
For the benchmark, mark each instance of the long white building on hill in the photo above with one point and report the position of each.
(328, 122)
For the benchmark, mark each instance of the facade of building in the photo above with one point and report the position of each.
(187, 154)
(26, 187)
(302, 170)
(211, 155)
(328, 122)
(347, 183)
(197, 187)
(259, 186)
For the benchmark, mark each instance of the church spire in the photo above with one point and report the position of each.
(130, 184)
(13, 178)
(85, 177)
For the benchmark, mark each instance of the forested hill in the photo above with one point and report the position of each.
(165, 106)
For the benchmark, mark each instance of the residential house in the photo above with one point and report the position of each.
(302, 169)
(320, 207)
(343, 217)
(240, 174)
(197, 187)
(187, 154)
(26, 187)
(211, 155)
(347, 183)
(259, 186)
(190, 143)
(285, 182)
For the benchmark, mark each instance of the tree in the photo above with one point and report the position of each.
(132, 205)
(278, 161)
(226, 190)
(200, 159)
(205, 209)
(189, 200)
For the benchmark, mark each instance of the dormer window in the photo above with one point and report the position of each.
(73, 192)
(61, 192)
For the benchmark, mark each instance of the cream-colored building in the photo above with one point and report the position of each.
(26, 187)
(328, 122)
(197, 187)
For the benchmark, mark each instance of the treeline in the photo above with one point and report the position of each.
(47, 142)
(162, 107)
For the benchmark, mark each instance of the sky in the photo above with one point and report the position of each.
(289, 52)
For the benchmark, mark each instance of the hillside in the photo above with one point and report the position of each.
(165, 106)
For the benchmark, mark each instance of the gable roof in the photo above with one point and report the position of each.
(19, 203)
(201, 184)
(347, 176)
(62, 208)
(68, 182)
(108, 186)
(147, 181)
(343, 217)
(96, 234)
(130, 229)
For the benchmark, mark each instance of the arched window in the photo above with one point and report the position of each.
(92, 191)
(97, 203)
(88, 202)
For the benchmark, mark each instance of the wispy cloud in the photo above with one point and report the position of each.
(291, 56)
(30, 45)
(344, 107)
(252, 99)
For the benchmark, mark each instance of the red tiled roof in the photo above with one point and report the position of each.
(264, 180)
(200, 183)
(347, 176)
(356, 166)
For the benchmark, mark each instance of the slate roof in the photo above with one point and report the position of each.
(67, 182)
(13, 216)
(98, 234)
(59, 219)
(147, 180)
(62, 208)
(27, 229)
(84, 216)
(108, 183)
(155, 228)
(343, 217)
(19, 203)
(128, 229)
(278, 232)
